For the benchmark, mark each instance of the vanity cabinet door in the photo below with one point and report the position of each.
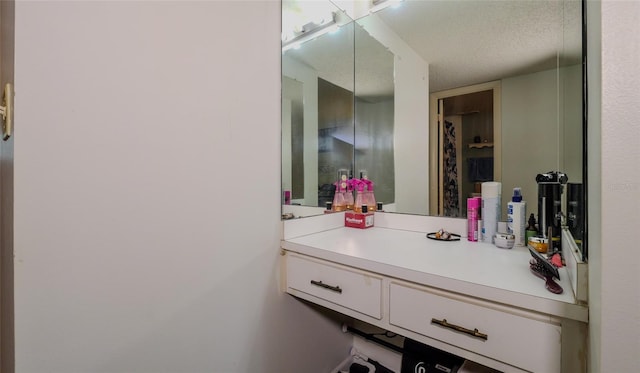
(523, 339)
(350, 288)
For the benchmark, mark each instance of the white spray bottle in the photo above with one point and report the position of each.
(516, 213)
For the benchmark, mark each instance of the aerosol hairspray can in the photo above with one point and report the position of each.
(473, 213)
(491, 206)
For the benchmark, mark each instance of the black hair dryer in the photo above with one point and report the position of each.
(550, 188)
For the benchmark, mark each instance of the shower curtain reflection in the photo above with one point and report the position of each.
(450, 168)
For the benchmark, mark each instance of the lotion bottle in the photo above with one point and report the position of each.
(516, 215)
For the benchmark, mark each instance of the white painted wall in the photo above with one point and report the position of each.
(529, 126)
(374, 146)
(309, 79)
(614, 206)
(594, 177)
(411, 120)
(285, 162)
(123, 260)
(147, 151)
(571, 123)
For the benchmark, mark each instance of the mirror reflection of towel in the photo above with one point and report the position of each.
(480, 169)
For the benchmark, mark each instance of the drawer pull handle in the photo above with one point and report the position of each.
(329, 287)
(473, 333)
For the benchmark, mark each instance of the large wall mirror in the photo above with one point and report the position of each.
(317, 100)
(431, 98)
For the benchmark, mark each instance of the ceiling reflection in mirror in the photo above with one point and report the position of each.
(394, 59)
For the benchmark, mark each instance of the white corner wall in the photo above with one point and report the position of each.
(594, 181)
(309, 79)
(147, 178)
(530, 134)
(613, 253)
(411, 119)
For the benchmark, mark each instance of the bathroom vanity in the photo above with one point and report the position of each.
(471, 299)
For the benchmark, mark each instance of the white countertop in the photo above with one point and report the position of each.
(471, 268)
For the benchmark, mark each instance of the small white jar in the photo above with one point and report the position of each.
(504, 240)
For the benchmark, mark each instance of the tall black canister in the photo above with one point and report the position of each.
(550, 187)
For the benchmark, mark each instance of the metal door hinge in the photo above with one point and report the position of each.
(6, 111)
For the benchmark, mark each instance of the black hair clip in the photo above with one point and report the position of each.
(443, 235)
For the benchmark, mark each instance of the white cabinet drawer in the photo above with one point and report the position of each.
(340, 285)
(522, 339)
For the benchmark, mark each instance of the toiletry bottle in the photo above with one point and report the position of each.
(338, 198)
(344, 188)
(491, 194)
(473, 207)
(516, 215)
(359, 200)
(370, 199)
(531, 229)
(349, 195)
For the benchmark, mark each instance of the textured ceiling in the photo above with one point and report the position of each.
(464, 43)
(469, 42)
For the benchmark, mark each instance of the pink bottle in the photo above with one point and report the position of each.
(370, 199)
(473, 211)
(359, 201)
(349, 195)
(287, 197)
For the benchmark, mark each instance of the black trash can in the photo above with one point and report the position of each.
(418, 357)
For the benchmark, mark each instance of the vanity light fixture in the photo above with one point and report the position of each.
(310, 31)
(378, 5)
